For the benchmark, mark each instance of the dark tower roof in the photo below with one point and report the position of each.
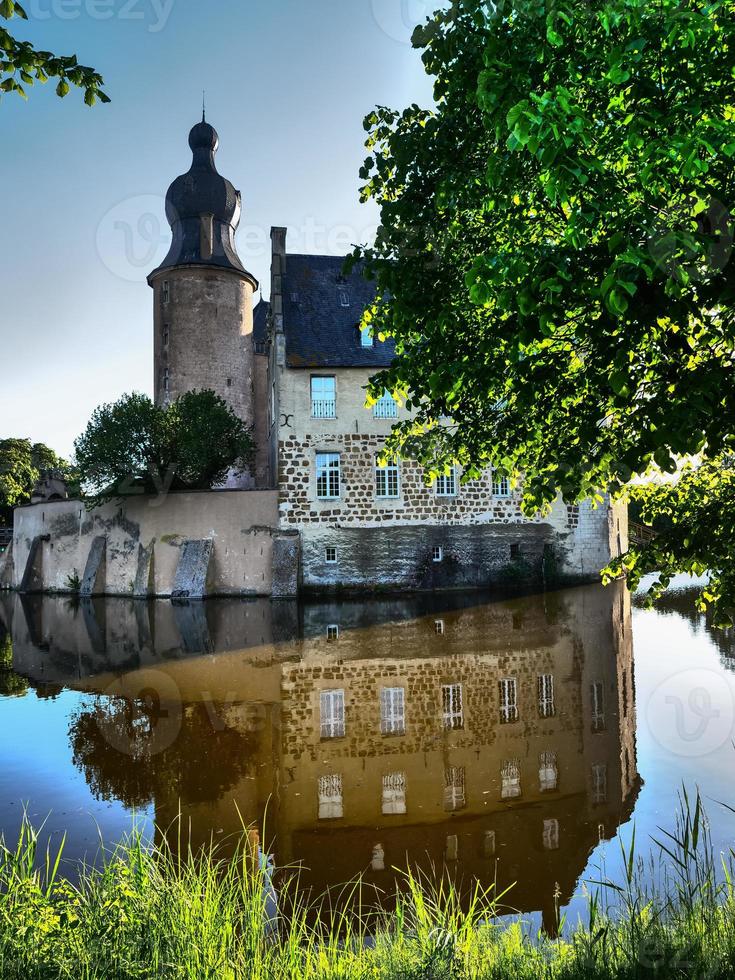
(195, 195)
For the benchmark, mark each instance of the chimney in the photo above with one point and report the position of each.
(278, 269)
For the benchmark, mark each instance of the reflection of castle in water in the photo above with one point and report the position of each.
(494, 735)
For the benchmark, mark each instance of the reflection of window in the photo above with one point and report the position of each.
(323, 398)
(327, 476)
(598, 707)
(394, 792)
(548, 772)
(386, 480)
(508, 700)
(454, 798)
(332, 713)
(510, 777)
(392, 711)
(546, 695)
(446, 484)
(366, 337)
(385, 407)
(330, 797)
(330, 555)
(437, 553)
(488, 844)
(439, 627)
(599, 783)
(551, 835)
(452, 710)
(332, 632)
(501, 486)
(451, 849)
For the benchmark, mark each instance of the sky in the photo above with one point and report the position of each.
(288, 83)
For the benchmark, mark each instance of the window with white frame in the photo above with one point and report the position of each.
(330, 555)
(510, 779)
(452, 709)
(546, 707)
(366, 337)
(387, 480)
(454, 793)
(446, 484)
(323, 397)
(330, 797)
(548, 772)
(332, 713)
(385, 407)
(437, 553)
(327, 476)
(394, 793)
(598, 706)
(599, 783)
(501, 486)
(551, 834)
(332, 632)
(439, 627)
(392, 711)
(508, 690)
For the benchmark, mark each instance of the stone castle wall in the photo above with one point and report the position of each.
(388, 542)
(140, 543)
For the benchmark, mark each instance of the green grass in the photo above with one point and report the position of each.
(155, 913)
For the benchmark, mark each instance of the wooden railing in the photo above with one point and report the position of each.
(640, 533)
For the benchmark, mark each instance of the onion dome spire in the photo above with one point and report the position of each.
(203, 209)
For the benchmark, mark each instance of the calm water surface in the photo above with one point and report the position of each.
(509, 739)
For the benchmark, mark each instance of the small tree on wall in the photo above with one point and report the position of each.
(134, 447)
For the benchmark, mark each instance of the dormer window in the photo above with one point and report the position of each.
(366, 337)
(344, 296)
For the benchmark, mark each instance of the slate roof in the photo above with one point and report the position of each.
(321, 331)
(260, 322)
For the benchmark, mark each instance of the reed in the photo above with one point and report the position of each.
(170, 912)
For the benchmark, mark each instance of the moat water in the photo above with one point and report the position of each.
(508, 740)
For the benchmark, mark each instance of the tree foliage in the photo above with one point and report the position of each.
(21, 462)
(553, 257)
(135, 447)
(21, 64)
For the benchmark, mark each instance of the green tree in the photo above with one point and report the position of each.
(133, 446)
(21, 462)
(21, 64)
(553, 258)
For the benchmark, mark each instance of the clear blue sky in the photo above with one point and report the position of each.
(288, 83)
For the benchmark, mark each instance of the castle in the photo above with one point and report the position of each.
(316, 512)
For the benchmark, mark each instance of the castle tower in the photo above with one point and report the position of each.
(203, 296)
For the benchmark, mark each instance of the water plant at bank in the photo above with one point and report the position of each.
(148, 912)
